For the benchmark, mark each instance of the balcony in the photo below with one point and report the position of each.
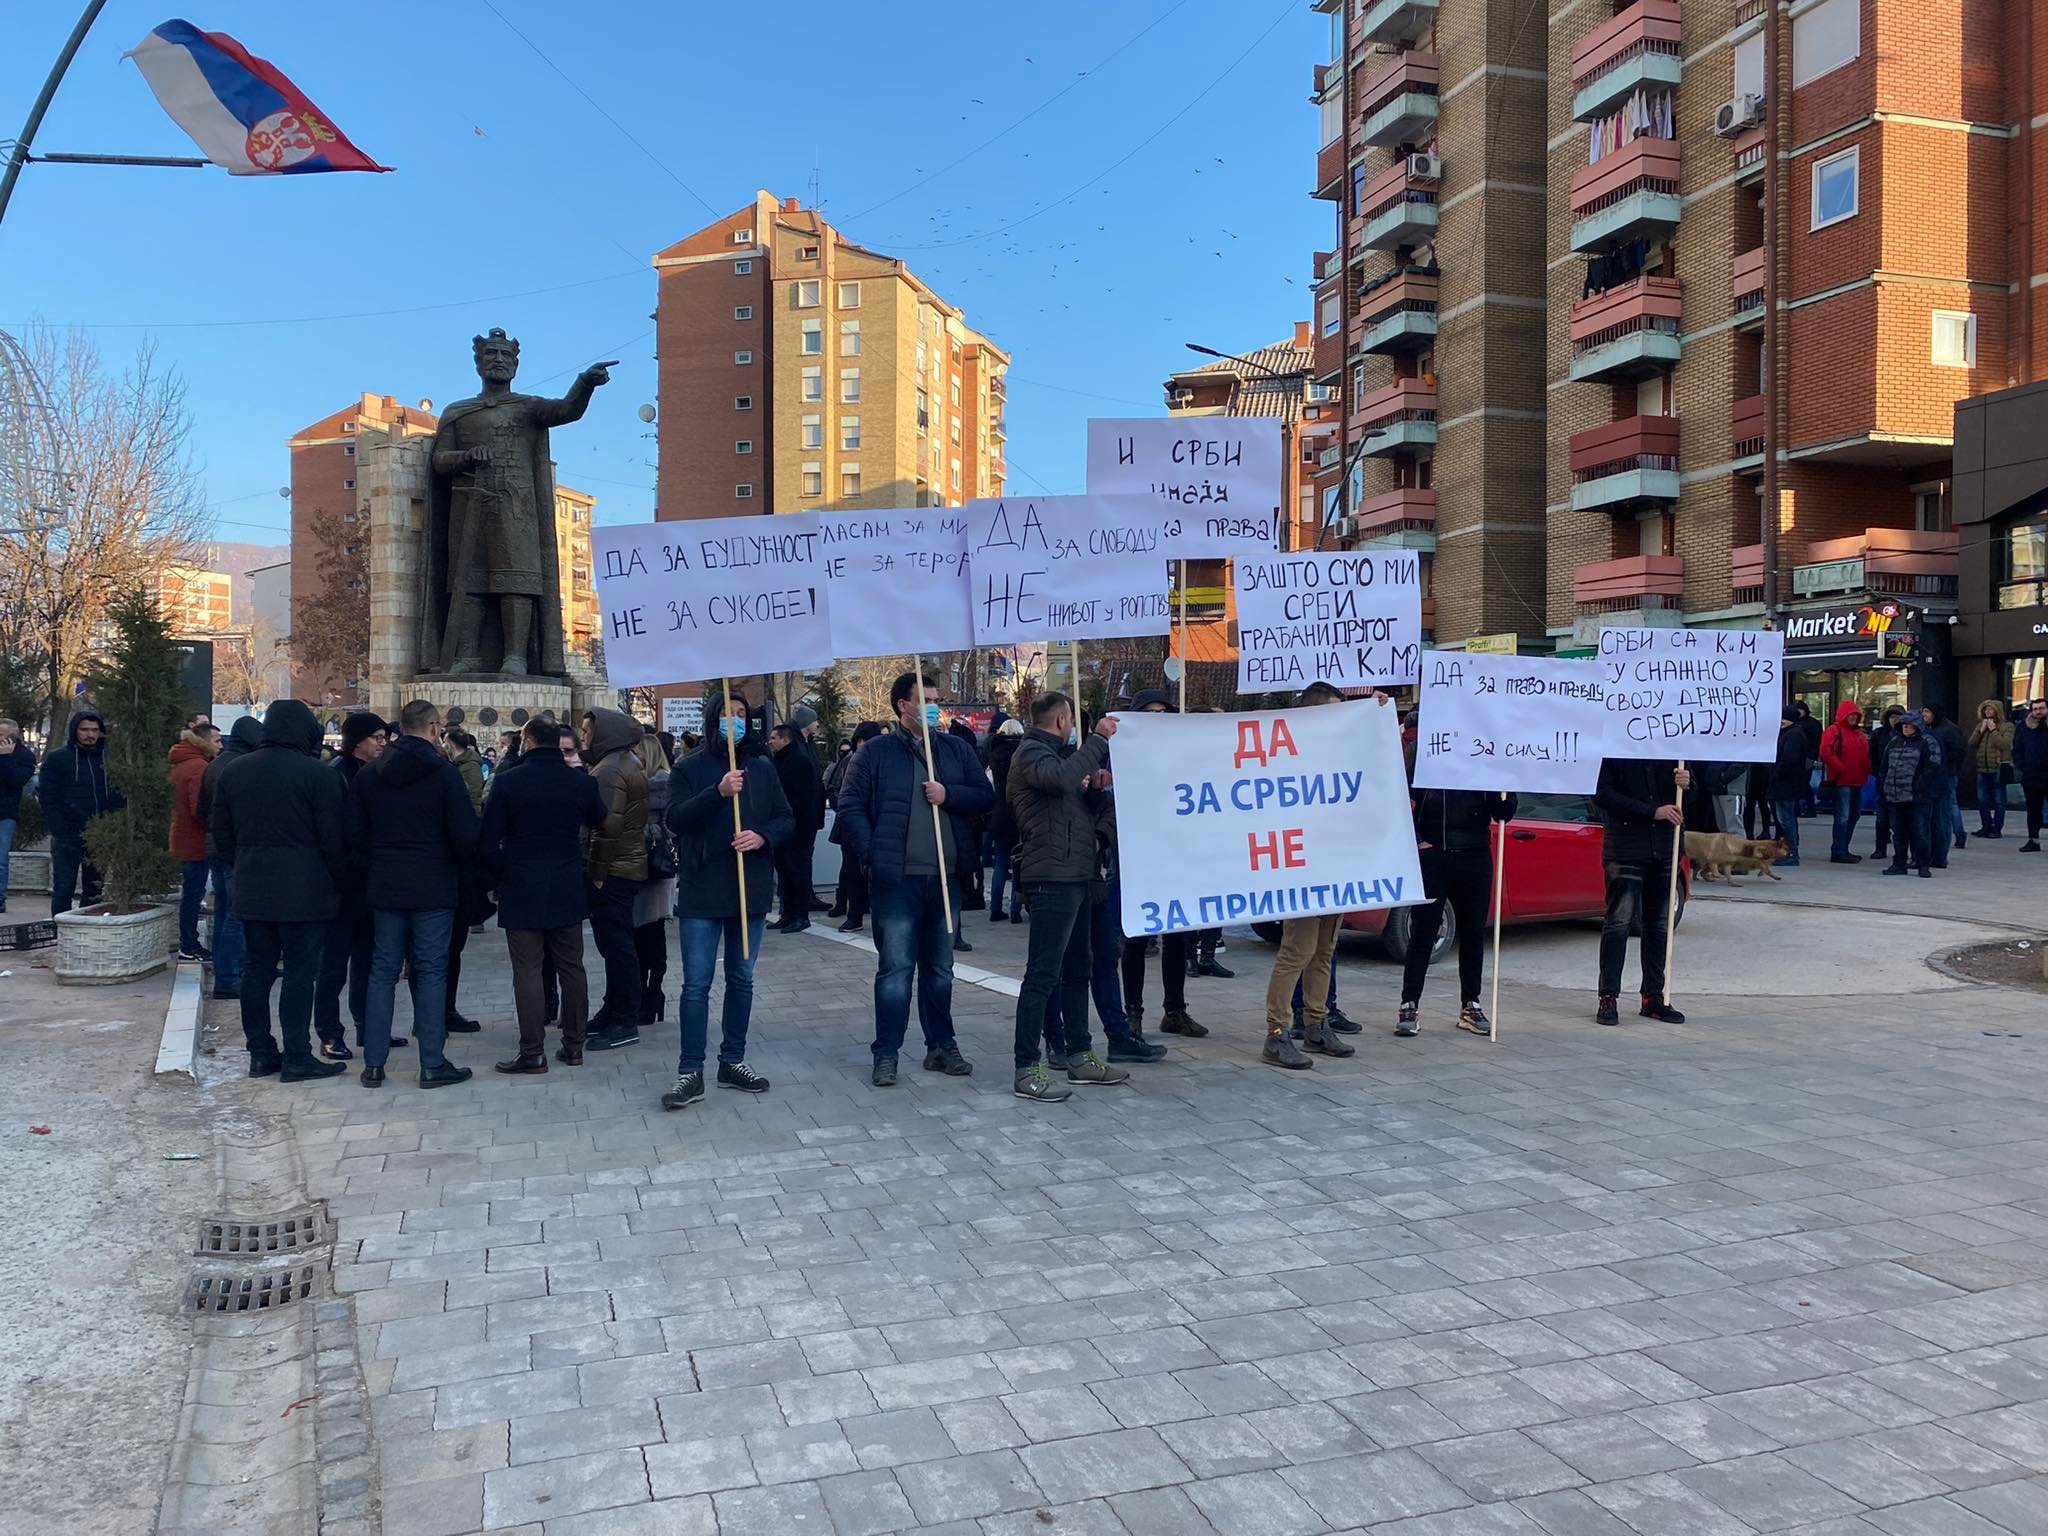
(1399, 209)
(1401, 519)
(1636, 582)
(1747, 427)
(1639, 48)
(999, 386)
(1746, 574)
(1400, 106)
(1746, 289)
(1624, 464)
(1398, 419)
(1900, 561)
(1632, 194)
(1389, 22)
(1331, 162)
(1749, 157)
(1328, 357)
(1628, 332)
(1399, 314)
(999, 426)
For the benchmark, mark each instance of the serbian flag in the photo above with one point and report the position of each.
(240, 109)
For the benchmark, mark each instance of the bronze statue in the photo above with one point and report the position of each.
(493, 596)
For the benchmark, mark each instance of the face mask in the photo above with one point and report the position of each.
(735, 728)
(931, 717)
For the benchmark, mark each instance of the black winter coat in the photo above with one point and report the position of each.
(1789, 777)
(532, 839)
(1630, 791)
(16, 769)
(884, 789)
(411, 812)
(2030, 754)
(1056, 818)
(243, 737)
(707, 874)
(1950, 735)
(1461, 820)
(1002, 751)
(803, 786)
(73, 788)
(277, 817)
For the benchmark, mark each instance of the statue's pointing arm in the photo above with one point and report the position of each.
(570, 407)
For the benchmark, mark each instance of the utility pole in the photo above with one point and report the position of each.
(19, 155)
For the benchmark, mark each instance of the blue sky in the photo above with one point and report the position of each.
(1088, 252)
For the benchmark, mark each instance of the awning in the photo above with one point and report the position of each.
(1862, 659)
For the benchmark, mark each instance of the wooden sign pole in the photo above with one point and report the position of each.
(732, 764)
(1500, 871)
(931, 772)
(1671, 898)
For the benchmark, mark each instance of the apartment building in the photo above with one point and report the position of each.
(1783, 241)
(573, 513)
(195, 601)
(801, 371)
(1429, 305)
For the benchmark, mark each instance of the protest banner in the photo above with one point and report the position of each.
(1493, 722)
(692, 599)
(1352, 619)
(898, 581)
(1287, 813)
(1066, 567)
(1220, 474)
(680, 715)
(1706, 693)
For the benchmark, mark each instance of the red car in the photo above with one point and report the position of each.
(1553, 872)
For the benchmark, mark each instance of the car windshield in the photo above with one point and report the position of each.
(1570, 808)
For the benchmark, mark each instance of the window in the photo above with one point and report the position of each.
(743, 237)
(924, 410)
(744, 445)
(742, 268)
(742, 359)
(814, 480)
(348, 485)
(920, 355)
(1650, 396)
(849, 295)
(1834, 187)
(1749, 67)
(814, 338)
(807, 253)
(2022, 556)
(743, 402)
(954, 427)
(1955, 339)
(849, 385)
(956, 394)
(849, 338)
(1825, 38)
(814, 431)
(849, 434)
(849, 480)
(956, 474)
(1333, 114)
(1934, 508)
(348, 427)
(743, 312)
(1333, 313)
(814, 384)
(804, 294)
(348, 450)
(743, 492)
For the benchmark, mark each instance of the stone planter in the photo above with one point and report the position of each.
(95, 948)
(29, 870)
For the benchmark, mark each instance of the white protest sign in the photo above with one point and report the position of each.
(694, 599)
(1711, 694)
(1220, 474)
(1290, 813)
(898, 581)
(1065, 568)
(680, 715)
(1534, 723)
(1352, 619)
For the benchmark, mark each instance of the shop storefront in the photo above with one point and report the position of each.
(2001, 511)
(1878, 652)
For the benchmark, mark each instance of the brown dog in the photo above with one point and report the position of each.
(1723, 855)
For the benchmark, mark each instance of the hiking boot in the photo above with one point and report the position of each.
(1176, 1021)
(447, 1075)
(688, 1090)
(1134, 1048)
(524, 1066)
(1091, 1069)
(1407, 1023)
(1283, 1052)
(1342, 1022)
(309, 1071)
(1034, 1082)
(1661, 1011)
(611, 1038)
(334, 1050)
(737, 1074)
(947, 1059)
(884, 1075)
(1473, 1018)
(1056, 1056)
(1607, 1012)
(1318, 1038)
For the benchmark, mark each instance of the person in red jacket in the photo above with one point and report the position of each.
(1845, 754)
(190, 754)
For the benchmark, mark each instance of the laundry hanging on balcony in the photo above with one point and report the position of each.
(1646, 114)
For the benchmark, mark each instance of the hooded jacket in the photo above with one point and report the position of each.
(1789, 773)
(803, 786)
(243, 737)
(16, 769)
(885, 788)
(620, 846)
(190, 754)
(1844, 749)
(532, 840)
(2030, 753)
(470, 764)
(1991, 749)
(1056, 818)
(707, 873)
(411, 817)
(73, 787)
(277, 817)
(1911, 765)
(1630, 791)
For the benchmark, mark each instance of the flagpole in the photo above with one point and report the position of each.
(26, 140)
(924, 727)
(732, 765)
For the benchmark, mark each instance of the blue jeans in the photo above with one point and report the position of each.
(700, 938)
(1788, 826)
(227, 928)
(71, 872)
(420, 936)
(6, 847)
(1990, 805)
(190, 895)
(1944, 816)
(911, 940)
(999, 877)
(344, 962)
(1848, 808)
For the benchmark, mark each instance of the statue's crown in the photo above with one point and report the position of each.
(495, 334)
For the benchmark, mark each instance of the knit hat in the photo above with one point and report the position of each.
(358, 728)
(1149, 696)
(802, 718)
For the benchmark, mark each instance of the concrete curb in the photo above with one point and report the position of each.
(177, 1054)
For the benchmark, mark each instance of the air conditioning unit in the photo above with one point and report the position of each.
(1739, 115)
(1183, 398)
(1426, 167)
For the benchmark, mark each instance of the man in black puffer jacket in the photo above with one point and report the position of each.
(1639, 802)
(277, 818)
(243, 737)
(1454, 835)
(74, 791)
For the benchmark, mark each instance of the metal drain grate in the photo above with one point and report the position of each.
(253, 1290)
(293, 1233)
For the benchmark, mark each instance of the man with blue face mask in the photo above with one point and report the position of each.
(886, 819)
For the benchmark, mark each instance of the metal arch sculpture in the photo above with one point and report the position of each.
(31, 459)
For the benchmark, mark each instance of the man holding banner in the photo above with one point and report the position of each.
(1455, 831)
(905, 827)
(1639, 799)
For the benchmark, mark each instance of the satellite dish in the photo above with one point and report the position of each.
(285, 491)
(647, 413)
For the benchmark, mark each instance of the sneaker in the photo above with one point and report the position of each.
(1213, 967)
(1472, 1018)
(1608, 1012)
(851, 925)
(1134, 1048)
(611, 1039)
(1407, 1022)
(947, 1059)
(1034, 1082)
(335, 1050)
(884, 1074)
(1178, 1022)
(1092, 1069)
(1318, 1038)
(737, 1074)
(2030, 846)
(194, 952)
(688, 1090)
(309, 1071)
(1283, 1052)
(1893, 869)
(446, 1075)
(1342, 1022)
(1661, 1011)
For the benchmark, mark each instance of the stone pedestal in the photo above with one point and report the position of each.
(490, 702)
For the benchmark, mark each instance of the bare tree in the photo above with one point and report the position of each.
(123, 501)
(331, 630)
(243, 660)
